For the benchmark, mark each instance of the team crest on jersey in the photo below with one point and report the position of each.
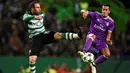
(98, 20)
(107, 24)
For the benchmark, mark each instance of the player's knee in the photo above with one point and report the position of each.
(107, 54)
(32, 59)
(57, 36)
(94, 36)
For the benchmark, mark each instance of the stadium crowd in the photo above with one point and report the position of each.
(13, 36)
(55, 69)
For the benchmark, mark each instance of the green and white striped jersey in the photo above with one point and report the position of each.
(33, 25)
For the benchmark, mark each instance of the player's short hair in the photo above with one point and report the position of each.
(32, 4)
(106, 5)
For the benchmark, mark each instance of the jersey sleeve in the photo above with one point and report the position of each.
(91, 14)
(27, 17)
(111, 26)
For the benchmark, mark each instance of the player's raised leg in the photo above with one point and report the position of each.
(68, 35)
(89, 39)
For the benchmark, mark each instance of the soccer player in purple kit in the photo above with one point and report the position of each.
(99, 35)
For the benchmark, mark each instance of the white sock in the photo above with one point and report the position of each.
(75, 36)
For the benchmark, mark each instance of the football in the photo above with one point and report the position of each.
(88, 57)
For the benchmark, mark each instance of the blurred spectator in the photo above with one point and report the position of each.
(23, 70)
(50, 69)
(87, 69)
(46, 69)
(78, 70)
(62, 69)
(15, 42)
(55, 66)
(72, 71)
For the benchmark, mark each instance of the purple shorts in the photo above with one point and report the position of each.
(98, 44)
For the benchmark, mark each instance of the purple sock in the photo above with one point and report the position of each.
(87, 44)
(100, 59)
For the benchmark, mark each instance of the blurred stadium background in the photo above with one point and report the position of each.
(62, 16)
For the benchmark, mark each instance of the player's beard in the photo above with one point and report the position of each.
(37, 13)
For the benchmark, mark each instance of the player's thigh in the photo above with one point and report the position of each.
(106, 52)
(91, 35)
(35, 46)
(102, 47)
(48, 37)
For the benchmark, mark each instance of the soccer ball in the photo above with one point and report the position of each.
(88, 57)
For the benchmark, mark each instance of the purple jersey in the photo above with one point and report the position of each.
(99, 25)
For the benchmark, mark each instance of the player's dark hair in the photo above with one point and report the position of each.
(106, 5)
(32, 4)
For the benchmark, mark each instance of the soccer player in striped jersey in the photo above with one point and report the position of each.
(100, 33)
(39, 36)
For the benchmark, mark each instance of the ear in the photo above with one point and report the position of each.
(32, 9)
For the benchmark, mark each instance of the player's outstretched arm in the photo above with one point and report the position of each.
(84, 14)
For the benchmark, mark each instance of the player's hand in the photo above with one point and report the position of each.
(84, 14)
(38, 17)
(109, 42)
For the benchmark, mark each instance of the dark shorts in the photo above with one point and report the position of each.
(36, 44)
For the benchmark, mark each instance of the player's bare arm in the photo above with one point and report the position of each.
(108, 38)
(84, 14)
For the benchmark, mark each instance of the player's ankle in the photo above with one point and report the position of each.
(84, 51)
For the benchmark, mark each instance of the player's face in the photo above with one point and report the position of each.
(105, 11)
(36, 9)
